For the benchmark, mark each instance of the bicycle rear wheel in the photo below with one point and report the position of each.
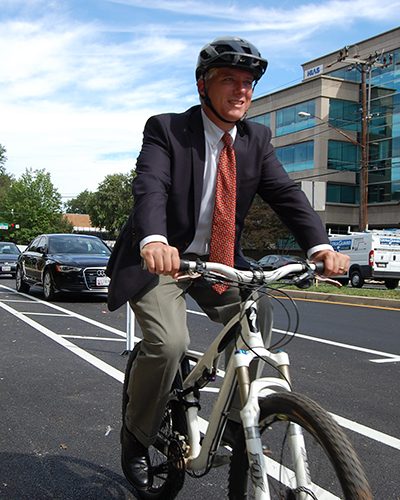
(166, 457)
(333, 466)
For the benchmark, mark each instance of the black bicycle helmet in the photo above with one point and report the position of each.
(230, 51)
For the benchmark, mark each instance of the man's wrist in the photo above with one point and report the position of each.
(154, 238)
(318, 248)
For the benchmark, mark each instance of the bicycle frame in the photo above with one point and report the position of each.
(238, 369)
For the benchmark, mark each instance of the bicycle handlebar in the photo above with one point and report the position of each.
(246, 276)
(249, 276)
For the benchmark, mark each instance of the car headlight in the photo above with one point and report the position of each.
(67, 269)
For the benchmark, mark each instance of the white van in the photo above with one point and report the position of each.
(374, 255)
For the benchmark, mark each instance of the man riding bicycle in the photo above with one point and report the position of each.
(197, 175)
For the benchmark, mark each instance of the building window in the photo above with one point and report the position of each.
(297, 157)
(343, 156)
(342, 193)
(347, 73)
(288, 120)
(263, 119)
(345, 114)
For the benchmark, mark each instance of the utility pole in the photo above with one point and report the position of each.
(364, 66)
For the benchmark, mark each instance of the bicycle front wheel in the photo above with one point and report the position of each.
(333, 467)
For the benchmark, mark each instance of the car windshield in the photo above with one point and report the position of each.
(79, 245)
(9, 249)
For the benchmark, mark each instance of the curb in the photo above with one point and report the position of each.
(345, 299)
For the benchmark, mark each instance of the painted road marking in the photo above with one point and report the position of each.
(119, 376)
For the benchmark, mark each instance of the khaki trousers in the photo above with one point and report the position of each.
(160, 309)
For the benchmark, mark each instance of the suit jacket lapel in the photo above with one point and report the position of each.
(197, 141)
(241, 150)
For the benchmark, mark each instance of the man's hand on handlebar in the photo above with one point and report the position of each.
(336, 263)
(161, 258)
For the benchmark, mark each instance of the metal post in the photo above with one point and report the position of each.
(130, 329)
(364, 158)
(374, 60)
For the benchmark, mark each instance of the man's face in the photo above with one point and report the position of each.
(230, 91)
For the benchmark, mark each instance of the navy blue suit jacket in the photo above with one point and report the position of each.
(168, 187)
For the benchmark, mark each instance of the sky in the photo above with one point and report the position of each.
(79, 78)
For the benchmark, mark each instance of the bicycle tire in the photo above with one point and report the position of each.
(332, 462)
(166, 457)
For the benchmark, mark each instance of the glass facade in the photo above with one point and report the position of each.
(345, 115)
(297, 157)
(343, 156)
(383, 90)
(342, 193)
(263, 119)
(289, 121)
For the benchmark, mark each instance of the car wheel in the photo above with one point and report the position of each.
(49, 290)
(20, 284)
(357, 280)
(392, 284)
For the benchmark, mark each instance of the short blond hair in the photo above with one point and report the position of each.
(211, 73)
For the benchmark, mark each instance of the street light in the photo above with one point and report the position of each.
(364, 169)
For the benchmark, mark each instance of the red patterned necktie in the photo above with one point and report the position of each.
(222, 243)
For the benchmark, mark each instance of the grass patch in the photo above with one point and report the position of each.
(347, 290)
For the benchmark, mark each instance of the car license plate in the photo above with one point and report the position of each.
(102, 281)
(5, 268)
(381, 264)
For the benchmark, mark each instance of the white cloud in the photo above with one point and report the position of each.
(76, 90)
(268, 16)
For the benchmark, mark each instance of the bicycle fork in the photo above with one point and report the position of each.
(250, 392)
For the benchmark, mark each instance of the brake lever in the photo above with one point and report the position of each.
(187, 277)
(330, 281)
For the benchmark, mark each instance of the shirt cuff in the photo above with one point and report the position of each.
(150, 239)
(318, 248)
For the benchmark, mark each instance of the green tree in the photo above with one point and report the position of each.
(264, 231)
(78, 205)
(110, 205)
(5, 184)
(35, 205)
(3, 157)
(5, 179)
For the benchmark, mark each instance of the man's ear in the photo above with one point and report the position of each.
(200, 87)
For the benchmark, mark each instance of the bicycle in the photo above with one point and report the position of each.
(288, 447)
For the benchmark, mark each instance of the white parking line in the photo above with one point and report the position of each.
(388, 356)
(98, 363)
(118, 375)
(84, 337)
(69, 313)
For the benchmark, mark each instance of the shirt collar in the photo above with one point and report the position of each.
(213, 133)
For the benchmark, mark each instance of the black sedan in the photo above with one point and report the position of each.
(63, 263)
(270, 262)
(9, 253)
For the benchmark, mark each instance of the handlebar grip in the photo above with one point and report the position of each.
(319, 267)
(185, 265)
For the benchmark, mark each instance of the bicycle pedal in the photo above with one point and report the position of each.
(220, 461)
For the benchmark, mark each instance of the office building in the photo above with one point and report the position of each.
(337, 133)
